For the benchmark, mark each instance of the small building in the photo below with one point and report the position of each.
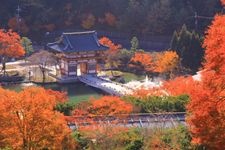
(79, 53)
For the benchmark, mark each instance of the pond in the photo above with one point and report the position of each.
(77, 92)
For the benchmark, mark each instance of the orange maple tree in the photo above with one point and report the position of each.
(142, 60)
(10, 46)
(104, 107)
(180, 85)
(166, 62)
(146, 92)
(29, 121)
(113, 48)
(206, 117)
(206, 112)
(112, 61)
(109, 105)
(207, 106)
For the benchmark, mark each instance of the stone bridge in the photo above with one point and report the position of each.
(108, 86)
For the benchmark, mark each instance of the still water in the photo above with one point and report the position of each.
(76, 91)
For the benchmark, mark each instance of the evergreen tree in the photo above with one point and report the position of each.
(187, 44)
(174, 41)
(27, 45)
(195, 53)
(134, 44)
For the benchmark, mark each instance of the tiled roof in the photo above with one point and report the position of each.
(77, 42)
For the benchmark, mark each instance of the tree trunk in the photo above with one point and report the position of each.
(56, 71)
(25, 147)
(43, 76)
(4, 65)
(25, 58)
(171, 74)
(43, 73)
(112, 73)
(60, 67)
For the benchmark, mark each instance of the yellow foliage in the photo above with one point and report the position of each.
(166, 61)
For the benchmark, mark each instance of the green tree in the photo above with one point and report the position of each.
(82, 141)
(159, 104)
(135, 145)
(124, 57)
(66, 108)
(134, 44)
(27, 45)
(187, 44)
(174, 41)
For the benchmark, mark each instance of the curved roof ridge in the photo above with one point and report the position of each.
(78, 42)
(84, 32)
(51, 43)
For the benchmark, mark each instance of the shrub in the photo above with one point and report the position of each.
(157, 104)
(135, 138)
(135, 145)
(65, 108)
(82, 142)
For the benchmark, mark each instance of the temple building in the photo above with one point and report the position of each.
(79, 53)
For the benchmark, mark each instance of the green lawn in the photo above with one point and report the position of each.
(126, 75)
(79, 98)
(131, 76)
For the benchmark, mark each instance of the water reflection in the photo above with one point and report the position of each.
(76, 91)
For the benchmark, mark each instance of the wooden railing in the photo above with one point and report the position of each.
(129, 120)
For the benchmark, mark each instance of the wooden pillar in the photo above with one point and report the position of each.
(63, 67)
(92, 66)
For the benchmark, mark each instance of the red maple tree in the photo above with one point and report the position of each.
(113, 48)
(166, 62)
(112, 60)
(142, 60)
(207, 106)
(106, 106)
(10, 47)
(29, 121)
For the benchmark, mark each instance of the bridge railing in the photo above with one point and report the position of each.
(98, 85)
(143, 119)
(125, 86)
(113, 88)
